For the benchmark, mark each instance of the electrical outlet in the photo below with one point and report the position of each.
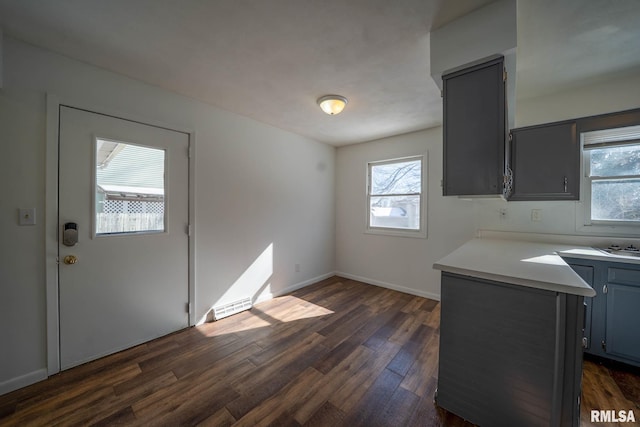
(536, 215)
(297, 268)
(503, 213)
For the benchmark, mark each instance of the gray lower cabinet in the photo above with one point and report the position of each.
(545, 162)
(613, 318)
(623, 322)
(509, 355)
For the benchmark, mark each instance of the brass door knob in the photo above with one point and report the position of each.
(70, 259)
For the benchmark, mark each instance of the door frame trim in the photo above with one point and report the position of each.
(53, 104)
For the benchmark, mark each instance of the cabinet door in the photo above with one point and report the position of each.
(623, 321)
(474, 129)
(545, 161)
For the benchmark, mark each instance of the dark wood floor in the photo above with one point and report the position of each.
(338, 353)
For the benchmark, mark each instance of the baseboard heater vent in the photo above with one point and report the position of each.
(226, 310)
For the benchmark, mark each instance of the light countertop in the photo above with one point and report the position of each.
(598, 255)
(532, 264)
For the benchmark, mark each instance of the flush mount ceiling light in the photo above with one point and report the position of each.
(332, 104)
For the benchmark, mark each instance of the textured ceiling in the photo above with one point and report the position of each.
(270, 60)
(571, 43)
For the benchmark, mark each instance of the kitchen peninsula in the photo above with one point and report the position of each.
(511, 333)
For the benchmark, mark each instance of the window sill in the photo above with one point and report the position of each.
(623, 230)
(417, 234)
(602, 229)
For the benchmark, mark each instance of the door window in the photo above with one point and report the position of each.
(130, 188)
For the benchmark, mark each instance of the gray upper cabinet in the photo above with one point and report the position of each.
(474, 128)
(545, 162)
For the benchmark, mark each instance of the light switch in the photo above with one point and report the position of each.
(27, 216)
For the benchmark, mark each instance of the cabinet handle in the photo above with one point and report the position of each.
(565, 184)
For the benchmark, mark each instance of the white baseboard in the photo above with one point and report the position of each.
(22, 381)
(291, 288)
(392, 286)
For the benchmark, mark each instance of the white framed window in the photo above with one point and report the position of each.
(611, 181)
(396, 197)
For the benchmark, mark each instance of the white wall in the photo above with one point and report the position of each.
(402, 263)
(264, 197)
(476, 35)
(616, 94)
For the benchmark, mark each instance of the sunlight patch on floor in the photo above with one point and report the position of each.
(278, 310)
(300, 309)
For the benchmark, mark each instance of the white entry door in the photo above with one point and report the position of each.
(123, 243)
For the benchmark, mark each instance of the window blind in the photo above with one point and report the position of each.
(611, 137)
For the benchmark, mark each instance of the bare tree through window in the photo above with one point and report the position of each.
(615, 183)
(395, 192)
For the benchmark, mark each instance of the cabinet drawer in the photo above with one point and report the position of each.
(623, 276)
